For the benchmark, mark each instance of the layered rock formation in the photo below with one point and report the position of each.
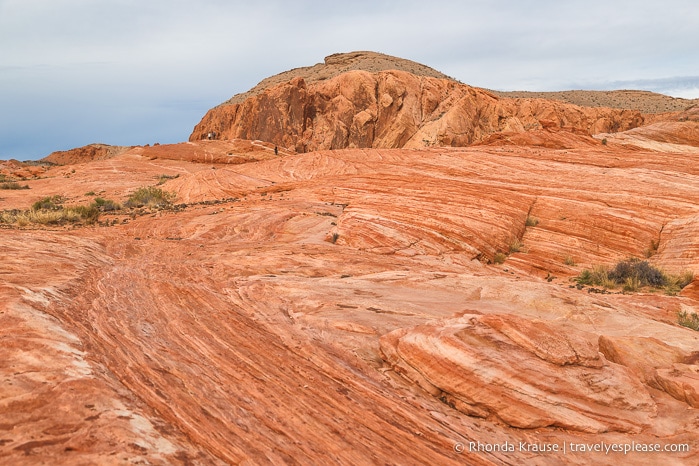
(391, 109)
(528, 374)
(85, 154)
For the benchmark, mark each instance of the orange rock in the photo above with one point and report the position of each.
(485, 363)
(391, 109)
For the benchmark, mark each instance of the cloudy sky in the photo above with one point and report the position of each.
(127, 72)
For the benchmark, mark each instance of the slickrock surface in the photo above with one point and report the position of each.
(527, 374)
(247, 326)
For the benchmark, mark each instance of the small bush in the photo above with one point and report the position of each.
(106, 205)
(652, 249)
(634, 274)
(646, 274)
(531, 221)
(499, 258)
(49, 203)
(604, 141)
(516, 245)
(149, 197)
(568, 260)
(13, 185)
(688, 320)
(163, 178)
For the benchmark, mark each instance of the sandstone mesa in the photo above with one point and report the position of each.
(339, 302)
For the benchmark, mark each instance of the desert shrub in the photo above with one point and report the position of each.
(49, 203)
(634, 274)
(515, 245)
(13, 185)
(675, 283)
(688, 320)
(149, 197)
(646, 274)
(499, 258)
(106, 205)
(604, 141)
(652, 248)
(163, 178)
(531, 221)
(50, 211)
(88, 214)
(568, 260)
(598, 276)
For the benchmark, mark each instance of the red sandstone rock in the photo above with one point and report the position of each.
(392, 109)
(84, 154)
(484, 366)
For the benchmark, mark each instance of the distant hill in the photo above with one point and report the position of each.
(644, 101)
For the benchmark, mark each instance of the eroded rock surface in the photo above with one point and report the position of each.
(528, 374)
(392, 107)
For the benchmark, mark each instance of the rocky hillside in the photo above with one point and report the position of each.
(330, 107)
(644, 101)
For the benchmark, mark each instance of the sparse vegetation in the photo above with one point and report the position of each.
(531, 221)
(689, 320)
(163, 178)
(652, 249)
(50, 211)
(13, 185)
(499, 258)
(149, 197)
(516, 245)
(90, 193)
(604, 141)
(106, 205)
(632, 275)
(569, 261)
(49, 203)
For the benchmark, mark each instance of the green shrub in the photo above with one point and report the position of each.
(49, 203)
(149, 197)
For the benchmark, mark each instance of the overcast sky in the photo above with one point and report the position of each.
(127, 72)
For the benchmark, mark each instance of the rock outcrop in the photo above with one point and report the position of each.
(85, 154)
(392, 108)
(528, 374)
